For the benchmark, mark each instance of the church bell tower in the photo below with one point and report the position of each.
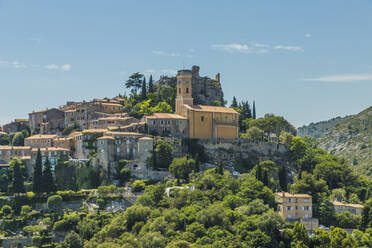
(184, 91)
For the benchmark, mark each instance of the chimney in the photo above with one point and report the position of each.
(195, 70)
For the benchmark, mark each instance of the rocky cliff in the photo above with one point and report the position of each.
(205, 90)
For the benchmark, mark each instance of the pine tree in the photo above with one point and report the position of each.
(38, 174)
(144, 90)
(151, 85)
(48, 182)
(283, 178)
(234, 103)
(254, 110)
(17, 183)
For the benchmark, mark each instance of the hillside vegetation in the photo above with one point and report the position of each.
(350, 137)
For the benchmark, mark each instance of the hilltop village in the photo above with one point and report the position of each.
(164, 146)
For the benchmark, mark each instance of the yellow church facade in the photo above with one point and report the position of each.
(205, 122)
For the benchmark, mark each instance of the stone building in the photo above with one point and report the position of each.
(40, 140)
(16, 126)
(115, 121)
(8, 152)
(86, 142)
(165, 124)
(79, 114)
(205, 122)
(296, 207)
(341, 207)
(47, 121)
(115, 146)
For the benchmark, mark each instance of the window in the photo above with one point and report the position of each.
(179, 90)
(179, 82)
(289, 200)
(289, 216)
(187, 90)
(187, 81)
(289, 208)
(202, 118)
(118, 149)
(306, 216)
(306, 200)
(127, 149)
(306, 208)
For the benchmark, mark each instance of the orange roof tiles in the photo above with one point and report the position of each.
(165, 116)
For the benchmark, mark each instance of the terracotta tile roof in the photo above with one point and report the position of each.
(213, 109)
(15, 148)
(353, 205)
(111, 104)
(286, 194)
(106, 137)
(94, 131)
(42, 136)
(115, 118)
(165, 116)
(123, 134)
(145, 138)
(2, 133)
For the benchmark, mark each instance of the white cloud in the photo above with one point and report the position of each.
(289, 48)
(52, 67)
(14, 64)
(169, 71)
(255, 48)
(233, 47)
(307, 35)
(66, 67)
(150, 71)
(169, 54)
(342, 78)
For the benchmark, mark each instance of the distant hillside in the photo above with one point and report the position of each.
(350, 137)
(316, 130)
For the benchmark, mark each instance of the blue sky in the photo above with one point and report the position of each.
(305, 60)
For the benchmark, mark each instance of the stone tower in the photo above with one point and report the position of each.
(184, 91)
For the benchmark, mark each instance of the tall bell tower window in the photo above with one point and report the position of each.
(179, 90)
(187, 90)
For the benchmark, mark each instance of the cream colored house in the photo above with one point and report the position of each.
(341, 207)
(296, 207)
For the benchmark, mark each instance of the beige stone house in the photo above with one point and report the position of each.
(52, 153)
(165, 124)
(40, 140)
(114, 121)
(47, 121)
(296, 207)
(8, 152)
(341, 207)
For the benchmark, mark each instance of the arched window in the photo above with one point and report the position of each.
(179, 90)
(187, 90)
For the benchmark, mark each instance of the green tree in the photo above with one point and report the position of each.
(182, 167)
(144, 89)
(54, 202)
(162, 155)
(286, 138)
(18, 139)
(17, 180)
(48, 181)
(151, 85)
(254, 110)
(72, 240)
(162, 107)
(367, 215)
(134, 82)
(299, 236)
(37, 185)
(283, 178)
(253, 133)
(234, 103)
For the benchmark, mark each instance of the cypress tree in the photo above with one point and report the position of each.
(17, 183)
(234, 103)
(144, 89)
(151, 85)
(259, 173)
(266, 179)
(38, 174)
(283, 178)
(254, 110)
(48, 182)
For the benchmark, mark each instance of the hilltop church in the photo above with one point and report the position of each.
(204, 122)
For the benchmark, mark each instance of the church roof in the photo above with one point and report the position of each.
(213, 109)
